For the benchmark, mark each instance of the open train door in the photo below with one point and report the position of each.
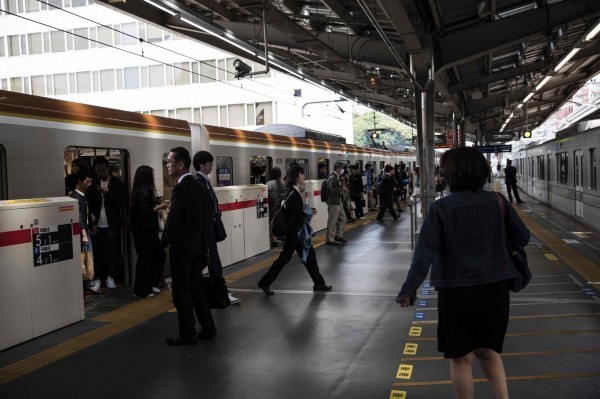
(578, 169)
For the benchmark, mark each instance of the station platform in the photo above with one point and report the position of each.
(352, 342)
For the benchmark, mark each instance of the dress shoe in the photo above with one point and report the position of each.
(341, 239)
(380, 220)
(520, 202)
(274, 244)
(400, 210)
(265, 288)
(183, 341)
(332, 243)
(207, 336)
(396, 218)
(322, 287)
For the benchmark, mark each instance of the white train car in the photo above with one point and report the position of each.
(563, 173)
(39, 137)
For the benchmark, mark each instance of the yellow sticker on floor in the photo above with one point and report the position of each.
(410, 349)
(551, 257)
(415, 331)
(398, 394)
(173, 310)
(404, 371)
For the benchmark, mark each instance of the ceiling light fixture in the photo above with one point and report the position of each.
(542, 83)
(161, 7)
(593, 33)
(566, 59)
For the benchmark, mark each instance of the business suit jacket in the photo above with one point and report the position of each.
(187, 226)
(214, 208)
(510, 174)
(294, 215)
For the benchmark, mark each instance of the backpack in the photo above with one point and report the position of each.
(325, 188)
(278, 225)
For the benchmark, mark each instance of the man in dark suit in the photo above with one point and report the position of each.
(510, 179)
(187, 232)
(385, 190)
(203, 163)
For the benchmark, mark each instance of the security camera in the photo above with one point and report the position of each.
(241, 68)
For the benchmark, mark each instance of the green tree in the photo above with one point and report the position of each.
(396, 133)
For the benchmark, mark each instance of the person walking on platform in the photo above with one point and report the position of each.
(187, 232)
(385, 190)
(336, 218)
(203, 163)
(143, 212)
(277, 193)
(295, 219)
(469, 270)
(510, 179)
(357, 189)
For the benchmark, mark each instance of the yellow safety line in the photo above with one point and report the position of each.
(508, 378)
(550, 316)
(525, 334)
(509, 354)
(119, 320)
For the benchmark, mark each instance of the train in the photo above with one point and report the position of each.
(39, 138)
(563, 173)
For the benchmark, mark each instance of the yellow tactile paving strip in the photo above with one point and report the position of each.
(120, 320)
(508, 378)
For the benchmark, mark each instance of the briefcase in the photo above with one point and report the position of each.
(216, 292)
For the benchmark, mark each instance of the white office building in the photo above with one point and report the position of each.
(80, 51)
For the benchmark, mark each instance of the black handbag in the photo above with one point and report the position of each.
(220, 233)
(216, 292)
(519, 259)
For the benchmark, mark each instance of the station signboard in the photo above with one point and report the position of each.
(503, 137)
(490, 149)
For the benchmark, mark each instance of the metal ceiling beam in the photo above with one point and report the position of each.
(216, 8)
(494, 77)
(468, 44)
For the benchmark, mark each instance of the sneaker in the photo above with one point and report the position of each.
(96, 284)
(91, 287)
(141, 296)
(361, 218)
(156, 290)
(110, 283)
(233, 299)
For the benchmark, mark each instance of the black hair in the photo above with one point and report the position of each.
(83, 174)
(100, 161)
(338, 164)
(81, 163)
(353, 167)
(143, 180)
(183, 155)
(367, 166)
(293, 173)
(202, 158)
(275, 173)
(321, 165)
(464, 168)
(387, 168)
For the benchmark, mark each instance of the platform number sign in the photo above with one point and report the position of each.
(52, 244)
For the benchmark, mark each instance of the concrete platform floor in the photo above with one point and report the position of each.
(353, 342)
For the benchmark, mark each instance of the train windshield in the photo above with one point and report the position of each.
(3, 174)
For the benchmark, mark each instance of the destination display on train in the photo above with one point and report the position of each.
(52, 244)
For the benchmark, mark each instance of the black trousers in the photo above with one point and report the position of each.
(387, 203)
(188, 295)
(290, 245)
(215, 267)
(513, 187)
(150, 264)
(107, 251)
(358, 212)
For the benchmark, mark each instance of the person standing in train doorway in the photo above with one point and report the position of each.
(107, 198)
(336, 218)
(510, 179)
(203, 163)
(295, 219)
(368, 173)
(463, 241)
(187, 232)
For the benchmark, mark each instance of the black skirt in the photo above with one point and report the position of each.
(471, 318)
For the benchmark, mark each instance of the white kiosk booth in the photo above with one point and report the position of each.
(41, 288)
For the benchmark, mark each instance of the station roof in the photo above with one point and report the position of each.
(488, 55)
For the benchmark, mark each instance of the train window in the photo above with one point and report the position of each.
(302, 162)
(259, 167)
(593, 170)
(224, 171)
(540, 166)
(359, 164)
(382, 165)
(562, 168)
(167, 181)
(3, 176)
(322, 168)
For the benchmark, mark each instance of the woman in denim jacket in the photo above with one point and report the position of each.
(463, 239)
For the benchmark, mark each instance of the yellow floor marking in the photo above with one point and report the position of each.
(510, 354)
(415, 331)
(508, 378)
(551, 257)
(395, 394)
(404, 371)
(584, 266)
(410, 349)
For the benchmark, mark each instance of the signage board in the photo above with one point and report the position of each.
(487, 149)
(492, 137)
(52, 244)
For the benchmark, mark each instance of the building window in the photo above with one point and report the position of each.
(129, 34)
(132, 78)
(58, 4)
(4, 84)
(153, 34)
(562, 168)
(34, 41)
(84, 82)
(593, 170)
(14, 46)
(60, 84)
(182, 73)
(2, 47)
(208, 71)
(237, 115)
(184, 113)
(264, 113)
(222, 73)
(80, 38)
(105, 36)
(107, 80)
(250, 114)
(157, 75)
(16, 84)
(210, 115)
(57, 41)
(38, 85)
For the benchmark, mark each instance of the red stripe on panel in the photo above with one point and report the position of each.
(232, 206)
(16, 237)
(76, 228)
